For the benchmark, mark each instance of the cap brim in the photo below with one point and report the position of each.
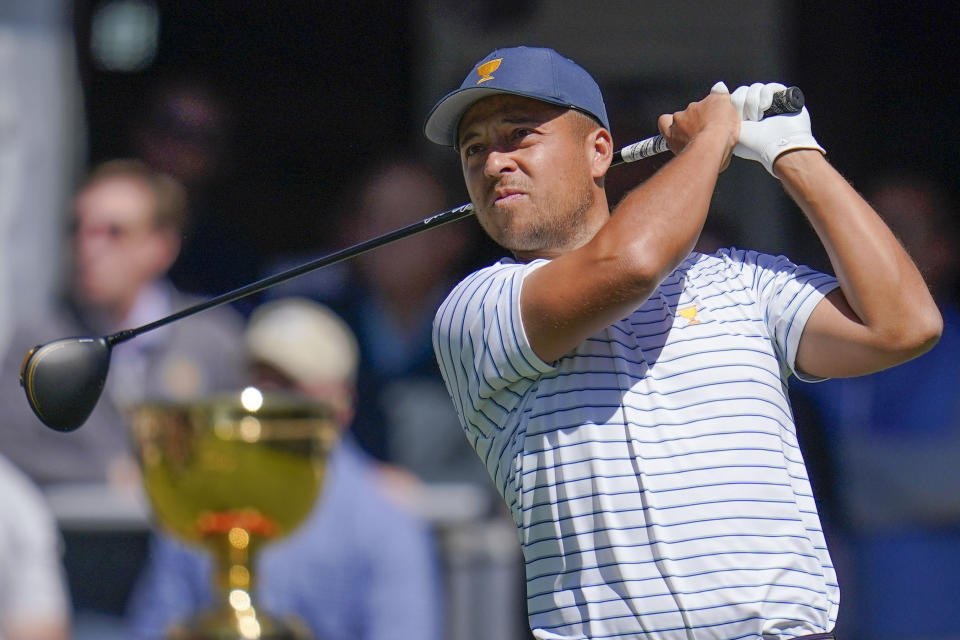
(444, 120)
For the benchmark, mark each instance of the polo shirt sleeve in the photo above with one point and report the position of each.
(787, 294)
(34, 585)
(481, 346)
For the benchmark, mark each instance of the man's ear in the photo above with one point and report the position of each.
(601, 151)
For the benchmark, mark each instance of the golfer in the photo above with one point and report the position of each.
(628, 396)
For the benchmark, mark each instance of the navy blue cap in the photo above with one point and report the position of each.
(532, 72)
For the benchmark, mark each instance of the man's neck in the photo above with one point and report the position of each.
(594, 219)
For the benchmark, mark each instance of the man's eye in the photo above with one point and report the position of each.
(473, 149)
(521, 133)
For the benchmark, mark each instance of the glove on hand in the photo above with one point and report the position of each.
(764, 140)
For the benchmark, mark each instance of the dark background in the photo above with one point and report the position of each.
(321, 88)
(316, 87)
(890, 70)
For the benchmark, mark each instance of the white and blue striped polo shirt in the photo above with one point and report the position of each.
(653, 473)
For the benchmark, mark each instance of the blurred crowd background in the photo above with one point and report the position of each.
(289, 130)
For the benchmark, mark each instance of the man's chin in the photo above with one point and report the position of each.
(511, 237)
(523, 244)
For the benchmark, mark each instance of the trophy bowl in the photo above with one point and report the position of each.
(230, 473)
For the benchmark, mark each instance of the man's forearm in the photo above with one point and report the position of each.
(878, 279)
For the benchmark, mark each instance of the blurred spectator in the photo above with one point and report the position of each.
(361, 567)
(41, 149)
(389, 296)
(34, 604)
(127, 220)
(894, 437)
(187, 131)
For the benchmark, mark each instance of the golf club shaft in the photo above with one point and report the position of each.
(789, 100)
(439, 219)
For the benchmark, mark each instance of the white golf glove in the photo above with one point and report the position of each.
(764, 140)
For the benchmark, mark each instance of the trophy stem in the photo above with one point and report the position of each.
(234, 579)
(234, 617)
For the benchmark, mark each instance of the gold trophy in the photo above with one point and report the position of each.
(231, 473)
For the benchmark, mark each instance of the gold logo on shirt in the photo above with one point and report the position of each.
(690, 314)
(487, 68)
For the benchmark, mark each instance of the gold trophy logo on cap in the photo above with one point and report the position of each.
(488, 68)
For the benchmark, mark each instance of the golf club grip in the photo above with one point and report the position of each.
(790, 100)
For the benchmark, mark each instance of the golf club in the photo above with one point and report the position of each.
(63, 379)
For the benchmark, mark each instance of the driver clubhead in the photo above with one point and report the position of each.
(63, 380)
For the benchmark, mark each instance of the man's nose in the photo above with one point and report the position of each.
(499, 161)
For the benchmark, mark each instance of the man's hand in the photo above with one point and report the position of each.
(765, 140)
(715, 111)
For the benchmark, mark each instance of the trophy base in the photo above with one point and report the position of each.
(223, 625)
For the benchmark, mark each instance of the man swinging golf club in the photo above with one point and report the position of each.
(627, 396)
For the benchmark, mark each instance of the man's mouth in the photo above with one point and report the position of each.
(505, 196)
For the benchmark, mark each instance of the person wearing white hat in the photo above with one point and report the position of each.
(294, 343)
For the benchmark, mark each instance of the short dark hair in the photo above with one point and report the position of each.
(170, 198)
(584, 123)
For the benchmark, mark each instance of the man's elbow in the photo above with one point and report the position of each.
(919, 334)
(930, 330)
(645, 264)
